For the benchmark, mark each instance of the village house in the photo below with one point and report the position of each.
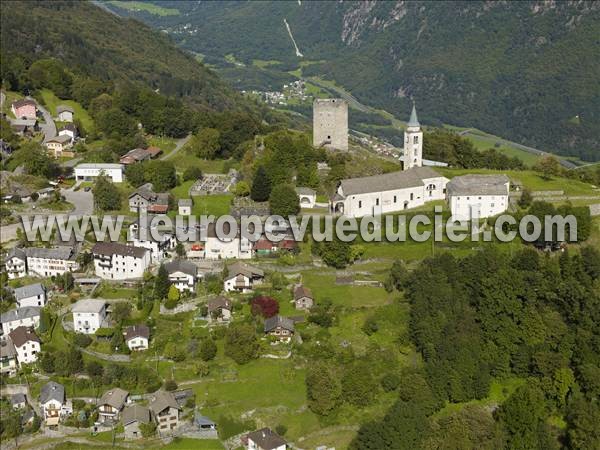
(8, 358)
(182, 274)
(184, 206)
(45, 192)
(486, 194)
(16, 263)
(307, 197)
(58, 145)
(133, 416)
(156, 237)
(30, 295)
(265, 439)
(238, 246)
(205, 426)
(139, 155)
(281, 328)
(24, 127)
(29, 316)
(64, 113)
(219, 309)
(89, 315)
(27, 344)
(264, 247)
(144, 198)
(70, 130)
(54, 403)
(18, 401)
(47, 262)
(90, 171)
(114, 261)
(137, 337)
(111, 404)
(242, 278)
(303, 298)
(24, 109)
(165, 410)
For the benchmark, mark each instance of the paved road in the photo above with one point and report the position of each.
(48, 128)
(178, 145)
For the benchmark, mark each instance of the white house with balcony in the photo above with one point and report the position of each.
(137, 337)
(89, 315)
(27, 344)
(265, 439)
(28, 316)
(16, 263)
(182, 274)
(90, 171)
(111, 404)
(114, 261)
(225, 246)
(158, 238)
(485, 194)
(242, 278)
(53, 403)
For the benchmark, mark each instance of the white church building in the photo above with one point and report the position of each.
(396, 191)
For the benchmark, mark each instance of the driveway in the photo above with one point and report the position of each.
(81, 200)
(178, 145)
(48, 128)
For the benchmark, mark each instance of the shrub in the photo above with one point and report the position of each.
(390, 382)
(265, 306)
(170, 385)
(82, 340)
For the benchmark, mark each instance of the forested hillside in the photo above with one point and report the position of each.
(96, 44)
(523, 70)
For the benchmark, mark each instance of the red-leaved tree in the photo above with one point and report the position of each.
(265, 306)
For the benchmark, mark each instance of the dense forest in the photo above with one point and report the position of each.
(529, 318)
(523, 70)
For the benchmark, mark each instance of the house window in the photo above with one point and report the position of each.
(416, 139)
(395, 199)
(492, 205)
(412, 196)
(360, 204)
(377, 202)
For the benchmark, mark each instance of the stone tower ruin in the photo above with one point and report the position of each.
(330, 123)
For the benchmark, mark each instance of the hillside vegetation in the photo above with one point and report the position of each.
(526, 71)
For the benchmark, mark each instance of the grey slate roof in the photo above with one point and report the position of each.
(185, 202)
(244, 269)
(478, 185)
(114, 248)
(135, 413)
(220, 302)
(278, 321)
(61, 139)
(161, 400)
(305, 191)
(7, 349)
(181, 265)
(388, 181)
(302, 291)
(64, 253)
(114, 397)
(20, 313)
(62, 108)
(135, 331)
(31, 290)
(18, 398)
(16, 252)
(52, 391)
(266, 439)
(88, 306)
(413, 121)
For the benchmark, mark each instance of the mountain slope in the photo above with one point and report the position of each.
(524, 70)
(101, 45)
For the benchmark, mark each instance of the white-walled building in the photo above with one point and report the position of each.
(182, 274)
(185, 206)
(486, 193)
(165, 411)
(111, 404)
(307, 197)
(64, 113)
(160, 247)
(413, 142)
(8, 358)
(16, 263)
(137, 337)
(69, 130)
(89, 315)
(89, 171)
(60, 146)
(114, 261)
(242, 278)
(265, 439)
(237, 247)
(41, 262)
(31, 295)
(54, 403)
(27, 344)
(390, 192)
(28, 316)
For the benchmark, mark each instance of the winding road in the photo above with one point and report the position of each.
(178, 146)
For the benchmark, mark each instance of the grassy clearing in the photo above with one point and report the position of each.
(218, 204)
(10, 98)
(52, 101)
(182, 160)
(486, 142)
(262, 63)
(166, 144)
(111, 292)
(143, 6)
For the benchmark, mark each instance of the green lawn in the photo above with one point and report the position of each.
(52, 101)
(262, 63)
(166, 144)
(148, 7)
(217, 204)
(110, 292)
(10, 98)
(183, 159)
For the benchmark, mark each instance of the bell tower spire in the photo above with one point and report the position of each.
(413, 142)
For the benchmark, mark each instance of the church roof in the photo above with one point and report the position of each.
(474, 184)
(387, 182)
(413, 121)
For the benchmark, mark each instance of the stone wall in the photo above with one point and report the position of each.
(330, 123)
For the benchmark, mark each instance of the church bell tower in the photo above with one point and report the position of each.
(413, 142)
